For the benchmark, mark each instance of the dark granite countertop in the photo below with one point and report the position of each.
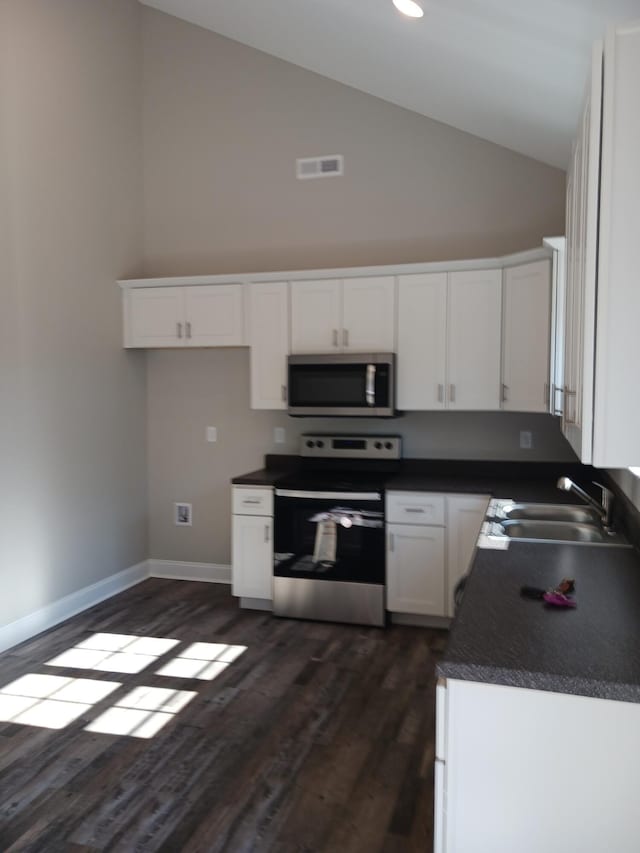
(262, 477)
(498, 637)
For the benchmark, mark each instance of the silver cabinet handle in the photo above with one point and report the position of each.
(284, 393)
(414, 509)
(345, 337)
(179, 329)
(505, 390)
(251, 501)
(392, 542)
(555, 390)
(441, 393)
(370, 392)
(266, 533)
(568, 393)
(452, 393)
(188, 324)
(335, 337)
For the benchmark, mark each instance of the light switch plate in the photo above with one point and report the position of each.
(212, 433)
(279, 435)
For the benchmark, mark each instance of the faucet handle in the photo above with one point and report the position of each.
(607, 501)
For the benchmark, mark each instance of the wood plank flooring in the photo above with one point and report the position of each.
(318, 737)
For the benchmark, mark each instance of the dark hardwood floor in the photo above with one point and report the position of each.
(317, 737)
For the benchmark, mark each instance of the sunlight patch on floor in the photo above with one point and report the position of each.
(142, 712)
(50, 701)
(204, 661)
(123, 653)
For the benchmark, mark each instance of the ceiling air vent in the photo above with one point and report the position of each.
(319, 167)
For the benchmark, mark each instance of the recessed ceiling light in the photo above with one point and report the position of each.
(409, 8)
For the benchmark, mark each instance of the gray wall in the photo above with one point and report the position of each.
(223, 125)
(72, 422)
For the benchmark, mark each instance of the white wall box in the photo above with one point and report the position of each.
(601, 409)
(336, 315)
(268, 307)
(498, 785)
(465, 514)
(252, 542)
(203, 316)
(526, 341)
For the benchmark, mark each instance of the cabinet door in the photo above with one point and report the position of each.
(464, 520)
(415, 569)
(215, 315)
(526, 338)
(475, 303)
(368, 314)
(154, 317)
(422, 341)
(252, 556)
(316, 316)
(269, 342)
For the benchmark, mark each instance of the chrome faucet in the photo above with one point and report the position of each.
(603, 509)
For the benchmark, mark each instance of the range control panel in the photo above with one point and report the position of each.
(332, 446)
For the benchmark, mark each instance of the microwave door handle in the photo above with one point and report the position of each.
(371, 385)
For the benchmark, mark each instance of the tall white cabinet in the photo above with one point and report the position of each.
(526, 338)
(601, 413)
(268, 306)
(475, 303)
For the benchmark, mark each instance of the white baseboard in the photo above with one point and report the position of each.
(62, 609)
(173, 570)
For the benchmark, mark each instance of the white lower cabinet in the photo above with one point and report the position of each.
(252, 544)
(431, 541)
(465, 514)
(415, 569)
(534, 772)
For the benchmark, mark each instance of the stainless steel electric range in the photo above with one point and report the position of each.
(330, 529)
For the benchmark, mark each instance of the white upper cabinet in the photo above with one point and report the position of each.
(154, 317)
(269, 341)
(475, 303)
(202, 316)
(316, 316)
(616, 428)
(368, 310)
(422, 341)
(214, 316)
(526, 338)
(333, 316)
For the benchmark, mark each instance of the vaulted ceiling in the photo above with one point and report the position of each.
(510, 71)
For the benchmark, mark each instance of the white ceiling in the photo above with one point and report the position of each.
(510, 71)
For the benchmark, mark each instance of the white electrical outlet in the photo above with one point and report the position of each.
(279, 435)
(526, 439)
(182, 514)
(212, 433)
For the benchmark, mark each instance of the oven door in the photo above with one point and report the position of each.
(329, 556)
(358, 385)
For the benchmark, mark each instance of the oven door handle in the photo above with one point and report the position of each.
(371, 385)
(329, 496)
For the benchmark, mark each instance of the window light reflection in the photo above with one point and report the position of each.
(204, 661)
(125, 653)
(142, 712)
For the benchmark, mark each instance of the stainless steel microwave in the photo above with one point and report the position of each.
(348, 385)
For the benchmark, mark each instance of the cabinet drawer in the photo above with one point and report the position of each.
(415, 508)
(252, 501)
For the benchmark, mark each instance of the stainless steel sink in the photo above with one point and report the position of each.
(559, 531)
(551, 512)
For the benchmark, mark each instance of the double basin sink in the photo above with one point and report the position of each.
(551, 523)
